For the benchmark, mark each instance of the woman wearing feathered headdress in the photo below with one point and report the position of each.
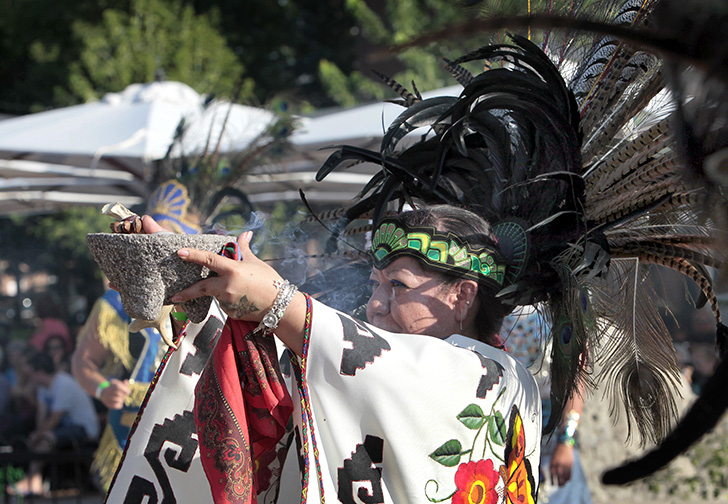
(385, 415)
(525, 191)
(419, 404)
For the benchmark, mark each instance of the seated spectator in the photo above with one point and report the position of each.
(60, 350)
(65, 416)
(20, 414)
(50, 324)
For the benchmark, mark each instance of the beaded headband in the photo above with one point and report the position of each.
(443, 251)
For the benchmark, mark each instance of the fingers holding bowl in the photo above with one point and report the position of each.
(245, 289)
(150, 226)
(206, 287)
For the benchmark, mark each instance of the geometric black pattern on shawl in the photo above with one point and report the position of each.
(205, 341)
(366, 346)
(492, 376)
(360, 469)
(177, 431)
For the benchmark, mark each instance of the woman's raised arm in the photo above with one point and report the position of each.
(246, 290)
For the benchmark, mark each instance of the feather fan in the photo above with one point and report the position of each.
(215, 180)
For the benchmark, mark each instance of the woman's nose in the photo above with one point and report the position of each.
(378, 303)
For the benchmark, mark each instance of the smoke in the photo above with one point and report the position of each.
(295, 246)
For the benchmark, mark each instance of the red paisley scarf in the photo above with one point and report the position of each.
(242, 408)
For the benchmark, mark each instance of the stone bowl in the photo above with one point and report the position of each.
(147, 272)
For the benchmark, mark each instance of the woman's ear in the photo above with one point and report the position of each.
(467, 291)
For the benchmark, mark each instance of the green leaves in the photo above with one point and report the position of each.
(448, 454)
(473, 418)
(497, 428)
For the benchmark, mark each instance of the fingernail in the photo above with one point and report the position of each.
(176, 298)
(248, 236)
(183, 252)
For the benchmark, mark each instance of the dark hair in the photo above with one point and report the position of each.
(56, 337)
(41, 361)
(470, 227)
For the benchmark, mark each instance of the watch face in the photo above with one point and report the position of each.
(269, 320)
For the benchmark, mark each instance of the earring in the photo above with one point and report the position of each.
(461, 324)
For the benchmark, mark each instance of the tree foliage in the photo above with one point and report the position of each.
(383, 24)
(64, 53)
(156, 38)
(61, 53)
(389, 23)
(37, 49)
(281, 42)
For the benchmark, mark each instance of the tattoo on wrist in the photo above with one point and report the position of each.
(240, 308)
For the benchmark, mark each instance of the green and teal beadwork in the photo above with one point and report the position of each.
(443, 251)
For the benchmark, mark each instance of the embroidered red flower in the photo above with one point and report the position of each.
(476, 483)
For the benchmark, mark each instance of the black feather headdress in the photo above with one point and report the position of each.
(576, 159)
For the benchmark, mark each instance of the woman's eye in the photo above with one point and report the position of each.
(397, 283)
(373, 284)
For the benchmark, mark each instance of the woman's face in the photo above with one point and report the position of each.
(409, 299)
(56, 348)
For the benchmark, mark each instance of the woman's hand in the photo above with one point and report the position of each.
(150, 226)
(231, 285)
(245, 290)
(562, 462)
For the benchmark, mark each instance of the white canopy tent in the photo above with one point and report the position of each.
(104, 151)
(362, 126)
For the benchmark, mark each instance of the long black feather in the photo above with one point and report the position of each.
(344, 153)
(421, 114)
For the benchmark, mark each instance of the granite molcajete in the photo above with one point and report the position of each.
(147, 272)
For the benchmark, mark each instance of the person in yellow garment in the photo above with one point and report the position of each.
(115, 365)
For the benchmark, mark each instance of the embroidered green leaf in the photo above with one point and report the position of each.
(497, 428)
(472, 417)
(448, 454)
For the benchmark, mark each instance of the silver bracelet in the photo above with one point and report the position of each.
(286, 290)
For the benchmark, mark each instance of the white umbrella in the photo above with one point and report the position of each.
(104, 151)
(362, 126)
